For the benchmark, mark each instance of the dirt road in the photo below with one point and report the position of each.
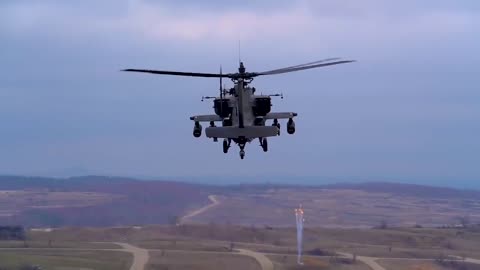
(140, 256)
(265, 263)
(470, 260)
(369, 261)
(213, 202)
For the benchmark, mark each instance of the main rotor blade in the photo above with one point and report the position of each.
(179, 73)
(286, 70)
(306, 64)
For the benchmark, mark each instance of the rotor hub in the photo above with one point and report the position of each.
(241, 69)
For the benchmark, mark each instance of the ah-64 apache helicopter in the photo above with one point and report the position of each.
(242, 113)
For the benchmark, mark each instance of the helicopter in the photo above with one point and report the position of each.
(241, 112)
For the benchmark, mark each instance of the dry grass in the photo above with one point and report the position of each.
(408, 243)
(200, 261)
(203, 245)
(57, 244)
(57, 259)
(339, 208)
(289, 262)
(14, 201)
(425, 265)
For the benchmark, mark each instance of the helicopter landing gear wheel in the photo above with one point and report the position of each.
(225, 146)
(277, 124)
(242, 151)
(242, 154)
(265, 145)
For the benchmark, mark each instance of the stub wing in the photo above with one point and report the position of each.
(280, 115)
(248, 132)
(206, 118)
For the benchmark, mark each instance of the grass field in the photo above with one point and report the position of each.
(289, 262)
(200, 261)
(62, 260)
(392, 242)
(426, 265)
(57, 244)
(184, 245)
(341, 207)
(207, 246)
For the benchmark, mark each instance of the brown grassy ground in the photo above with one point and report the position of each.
(199, 261)
(425, 265)
(72, 260)
(95, 201)
(289, 262)
(57, 244)
(410, 243)
(339, 208)
(15, 201)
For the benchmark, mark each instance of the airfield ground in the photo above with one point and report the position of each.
(209, 246)
(207, 237)
(63, 259)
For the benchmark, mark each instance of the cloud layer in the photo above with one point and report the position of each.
(296, 21)
(406, 111)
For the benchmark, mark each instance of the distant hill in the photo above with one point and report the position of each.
(347, 205)
(116, 201)
(409, 190)
(382, 187)
(109, 201)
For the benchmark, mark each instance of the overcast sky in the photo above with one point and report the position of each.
(408, 110)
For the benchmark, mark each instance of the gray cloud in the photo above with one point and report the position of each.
(152, 21)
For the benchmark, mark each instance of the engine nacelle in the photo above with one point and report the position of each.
(290, 126)
(262, 106)
(197, 130)
(222, 107)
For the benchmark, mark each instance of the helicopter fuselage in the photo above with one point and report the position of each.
(243, 116)
(242, 113)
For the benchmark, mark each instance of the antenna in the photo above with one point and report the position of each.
(239, 52)
(221, 93)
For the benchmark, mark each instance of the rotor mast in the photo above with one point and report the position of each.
(240, 92)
